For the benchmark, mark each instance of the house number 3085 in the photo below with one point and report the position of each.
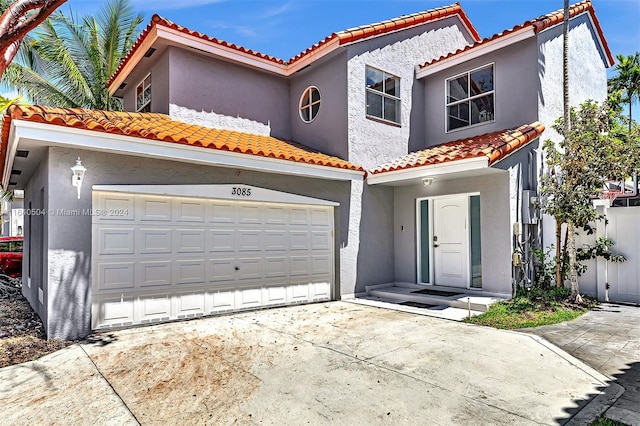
(241, 192)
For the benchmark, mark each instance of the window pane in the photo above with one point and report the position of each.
(374, 104)
(458, 116)
(482, 81)
(305, 99)
(392, 86)
(392, 110)
(425, 241)
(314, 110)
(476, 250)
(482, 109)
(304, 112)
(374, 79)
(457, 89)
(315, 95)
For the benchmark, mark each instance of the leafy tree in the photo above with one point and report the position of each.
(627, 82)
(18, 18)
(593, 151)
(68, 60)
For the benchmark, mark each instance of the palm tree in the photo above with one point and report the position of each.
(68, 61)
(628, 80)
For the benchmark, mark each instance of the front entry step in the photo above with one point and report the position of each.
(449, 297)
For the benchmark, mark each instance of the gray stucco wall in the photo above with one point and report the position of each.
(206, 84)
(587, 80)
(328, 131)
(35, 253)
(69, 244)
(495, 227)
(515, 88)
(158, 66)
(372, 143)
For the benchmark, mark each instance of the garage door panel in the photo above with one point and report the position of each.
(299, 266)
(190, 210)
(116, 275)
(153, 209)
(154, 273)
(114, 241)
(155, 307)
(222, 270)
(189, 304)
(222, 212)
(155, 241)
(189, 271)
(320, 265)
(298, 216)
(189, 240)
(113, 310)
(221, 240)
(248, 298)
(249, 240)
(182, 257)
(276, 267)
(320, 240)
(247, 214)
(275, 240)
(276, 295)
(298, 240)
(320, 217)
(250, 268)
(276, 215)
(121, 205)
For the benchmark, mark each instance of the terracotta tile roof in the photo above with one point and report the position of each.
(160, 127)
(344, 37)
(540, 24)
(495, 146)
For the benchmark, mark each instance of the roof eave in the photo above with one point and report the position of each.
(56, 135)
(475, 52)
(431, 170)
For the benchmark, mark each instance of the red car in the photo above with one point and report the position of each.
(11, 256)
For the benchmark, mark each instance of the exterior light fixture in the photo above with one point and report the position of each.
(78, 175)
(427, 181)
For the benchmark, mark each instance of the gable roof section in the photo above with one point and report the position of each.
(494, 146)
(288, 67)
(160, 127)
(531, 28)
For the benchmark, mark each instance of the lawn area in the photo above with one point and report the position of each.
(532, 308)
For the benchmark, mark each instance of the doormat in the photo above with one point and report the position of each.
(437, 292)
(417, 305)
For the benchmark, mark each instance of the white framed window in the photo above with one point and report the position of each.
(143, 95)
(309, 104)
(471, 98)
(383, 95)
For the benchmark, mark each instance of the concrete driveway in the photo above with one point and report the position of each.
(333, 362)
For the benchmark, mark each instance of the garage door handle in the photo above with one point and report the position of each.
(237, 269)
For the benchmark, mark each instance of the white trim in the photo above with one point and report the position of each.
(475, 52)
(149, 40)
(12, 147)
(53, 135)
(432, 170)
(223, 192)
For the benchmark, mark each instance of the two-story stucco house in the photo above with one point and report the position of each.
(392, 154)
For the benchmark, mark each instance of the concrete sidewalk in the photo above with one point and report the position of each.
(324, 363)
(608, 339)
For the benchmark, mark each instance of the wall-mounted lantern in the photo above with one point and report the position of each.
(78, 175)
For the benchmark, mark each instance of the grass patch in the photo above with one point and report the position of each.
(603, 421)
(532, 308)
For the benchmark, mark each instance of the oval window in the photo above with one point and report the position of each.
(309, 104)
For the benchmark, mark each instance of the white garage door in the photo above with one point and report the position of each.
(162, 257)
